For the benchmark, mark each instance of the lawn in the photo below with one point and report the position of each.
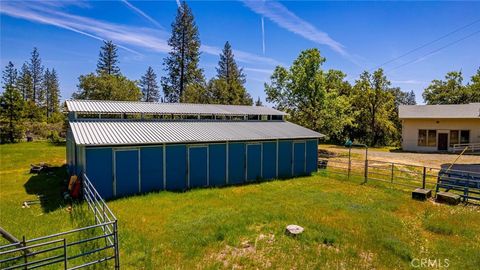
(347, 225)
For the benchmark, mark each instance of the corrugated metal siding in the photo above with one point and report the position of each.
(96, 106)
(125, 132)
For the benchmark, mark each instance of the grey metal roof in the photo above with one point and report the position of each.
(127, 132)
(101, 106)
(454, 111)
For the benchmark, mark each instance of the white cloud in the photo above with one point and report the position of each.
(286, 19)
(143, 14)
(123, 35)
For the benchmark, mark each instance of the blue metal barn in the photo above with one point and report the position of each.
(135, 147)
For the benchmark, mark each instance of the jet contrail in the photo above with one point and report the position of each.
(263, 36)
(143, 14)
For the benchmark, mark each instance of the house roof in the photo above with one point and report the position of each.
(453, 111)
(118, 107)
(129, 132)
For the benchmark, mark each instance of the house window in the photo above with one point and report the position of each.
(464, 136)
(453, 137)
(432, 138)
(422, 137)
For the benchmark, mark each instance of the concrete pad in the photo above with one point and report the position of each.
(449, 198)
(421, 194)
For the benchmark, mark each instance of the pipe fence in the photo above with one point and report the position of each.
(75, 249)
(464, 183)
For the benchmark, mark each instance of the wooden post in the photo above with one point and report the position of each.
(424, 176)
(366, 171)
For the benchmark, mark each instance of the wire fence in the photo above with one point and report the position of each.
(464, 183)
(87, 246)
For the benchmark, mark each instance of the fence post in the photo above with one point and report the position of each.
(366, 171)
(424, 176)
(25, 259)
(115, 233)
(65, 257)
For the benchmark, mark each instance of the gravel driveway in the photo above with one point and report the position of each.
(434, 160)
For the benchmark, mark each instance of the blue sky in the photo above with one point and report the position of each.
(353, 36)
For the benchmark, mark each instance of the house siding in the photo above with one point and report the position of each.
(410, 129)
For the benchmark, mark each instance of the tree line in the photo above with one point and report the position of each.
(30, 101)
(322, 100)
(365, 111)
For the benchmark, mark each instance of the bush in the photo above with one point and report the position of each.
(54, 137)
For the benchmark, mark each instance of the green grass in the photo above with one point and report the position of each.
(347, 225)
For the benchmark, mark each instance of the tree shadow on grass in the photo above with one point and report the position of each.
(48, 186)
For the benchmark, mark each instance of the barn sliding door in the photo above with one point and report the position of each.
(126, 172)
(299, 158)
(254, 162)
(198, 166)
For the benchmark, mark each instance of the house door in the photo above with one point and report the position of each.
(442, 141)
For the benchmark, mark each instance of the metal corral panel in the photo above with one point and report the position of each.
(269, 160)
(284, 159)
(217, 164)
(128, 132)
(236, 163)
(126, 172)
(97, 106)
(254, 162)
(99, 170)
(176, 167)
(299, 158)
(197, 166)
(312, 156)
(151, 160)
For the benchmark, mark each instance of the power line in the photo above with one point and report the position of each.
(426, 44)
(435, 51)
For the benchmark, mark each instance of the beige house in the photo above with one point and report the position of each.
(431, 128)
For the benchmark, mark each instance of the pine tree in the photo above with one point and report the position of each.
(52, 90)
(11, 105)
(227, 67)
(182, 61)
(258, 102)
(25, 83)
(149, 86)
(233, 78)
(36, 71)
(108, 59)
